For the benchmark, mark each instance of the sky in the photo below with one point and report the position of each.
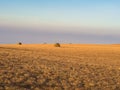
(64, 21)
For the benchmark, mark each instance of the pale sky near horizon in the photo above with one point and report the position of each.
(75, 21)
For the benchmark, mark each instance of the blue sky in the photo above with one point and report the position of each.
(87, 18)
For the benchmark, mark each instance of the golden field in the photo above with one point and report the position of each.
(69, 67)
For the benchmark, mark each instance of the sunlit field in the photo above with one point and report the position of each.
(69, 67)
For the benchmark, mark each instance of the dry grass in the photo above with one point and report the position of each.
(71, 67)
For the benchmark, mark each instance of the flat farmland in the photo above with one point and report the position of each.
(69, 67)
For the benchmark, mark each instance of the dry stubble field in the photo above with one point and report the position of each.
(70, 67)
